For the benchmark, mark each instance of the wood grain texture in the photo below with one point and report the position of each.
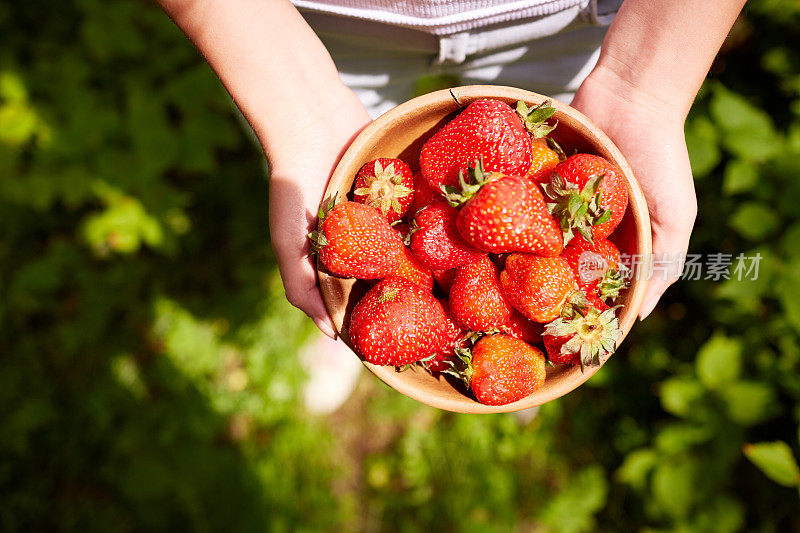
(401, 132)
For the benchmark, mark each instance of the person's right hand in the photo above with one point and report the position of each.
(301, 161)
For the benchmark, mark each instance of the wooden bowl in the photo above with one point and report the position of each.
(400, 133)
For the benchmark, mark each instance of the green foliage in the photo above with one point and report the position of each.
(775, 459)
(150, 378)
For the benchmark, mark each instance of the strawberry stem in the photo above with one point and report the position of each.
(577, 210)
(467, 187)
(535, 118)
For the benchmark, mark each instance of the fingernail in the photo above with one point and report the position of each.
(326, 328)
(648, 305)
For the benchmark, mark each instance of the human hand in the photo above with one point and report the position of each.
(302, 159)
(650, 135)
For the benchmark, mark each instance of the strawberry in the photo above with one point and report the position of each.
(543, 160)
(523, 329)
(588, 195)
(538, 287)
(398, 322)
(410, 268)
(543, 157)
(501, 369)
(597, 267)
(445, 278)
(487, 129)
(355, 241)
(441, 359)
(505, 214)
(424, 194)
(585, 338)
(387, 185)
(435, 239)
(476, 301)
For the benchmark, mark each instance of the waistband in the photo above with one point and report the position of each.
(455, 46)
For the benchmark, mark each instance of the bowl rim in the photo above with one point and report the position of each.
(459, 97)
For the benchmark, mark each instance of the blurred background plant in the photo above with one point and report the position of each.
(149, 374)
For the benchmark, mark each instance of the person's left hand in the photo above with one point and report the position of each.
(651, 137)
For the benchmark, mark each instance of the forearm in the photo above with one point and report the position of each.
(270, 61)
(658, 52)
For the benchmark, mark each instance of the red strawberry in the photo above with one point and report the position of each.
(583, 339)
(409, 267)
(355, 241)
(424, 194)
(538, 287)
(487, 129)
(590, 196)
(436, 241)
(506, 214)
(596, 266)
(476, 300)
(445, 278)
(501, 369)
(543, 157)
(398, 322)
(543, 160)
(523, 329)
(387, 185)
(441, 359)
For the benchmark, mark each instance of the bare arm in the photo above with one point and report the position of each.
(286, 85)
(653, 61)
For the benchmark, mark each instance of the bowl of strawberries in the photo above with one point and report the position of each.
(481, 248)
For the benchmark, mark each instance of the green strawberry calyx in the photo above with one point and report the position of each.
(593, 334)
(477, 177)
(384, 189)
(614, 281)
(461, 365)
(577, 210)
(317, 237)
(535, 118)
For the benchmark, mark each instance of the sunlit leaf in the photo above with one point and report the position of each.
(754, 220)
(674, 485)
(637, 466)
(678, 395)
(776, 460)
(703, 145)
(749, 402)
(719, 361)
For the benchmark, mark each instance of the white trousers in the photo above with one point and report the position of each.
(383, 64)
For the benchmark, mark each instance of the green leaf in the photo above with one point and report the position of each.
(754, 220)
(790, 241)
(740, 176)
(675, 438)
(679, 394)
(749, 402)
(674, 486)
(703, 145)
(722, 514)
(636, 467)
(747, 131)
(788, 292)
(719, 361)
(435, 82)
(18, 123)
(12, 89)
(572, 510)
(776, 460)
